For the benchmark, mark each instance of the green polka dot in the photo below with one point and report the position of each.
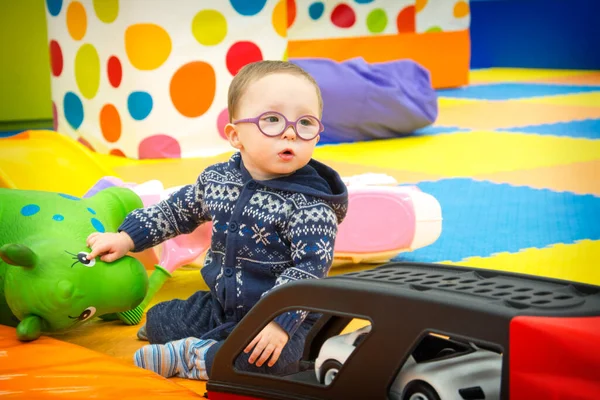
(377, 20)
(434, 29)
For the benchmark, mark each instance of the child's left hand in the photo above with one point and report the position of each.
(270, 341)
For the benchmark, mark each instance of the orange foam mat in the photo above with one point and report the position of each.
(51, 369)
(591, 78)
(578, 177)
(506, 114)
(185, 171)
(171, 172)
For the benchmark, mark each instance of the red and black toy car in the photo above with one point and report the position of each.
(546, 331)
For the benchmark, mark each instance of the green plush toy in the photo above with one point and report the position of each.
(46, 283)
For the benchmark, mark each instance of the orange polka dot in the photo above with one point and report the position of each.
(279, 18)
(117, 152)
(76, 20)
(461, 9)
(193, 88)
(110, 123)
(420, 4)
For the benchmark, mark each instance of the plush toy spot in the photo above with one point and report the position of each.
(58, 217)
(30, 209)
(98, 225)
(68, 196)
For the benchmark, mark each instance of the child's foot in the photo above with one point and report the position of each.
(184, 358)
(141, 333)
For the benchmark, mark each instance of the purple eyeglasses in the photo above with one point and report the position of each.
(272, 123)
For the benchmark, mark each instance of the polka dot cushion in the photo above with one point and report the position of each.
(145, 79)
(149, 79)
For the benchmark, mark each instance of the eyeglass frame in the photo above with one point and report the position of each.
(288, 123)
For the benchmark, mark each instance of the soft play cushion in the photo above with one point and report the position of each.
(365, 101)
(52, 369)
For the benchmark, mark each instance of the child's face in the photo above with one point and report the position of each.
(266, 157)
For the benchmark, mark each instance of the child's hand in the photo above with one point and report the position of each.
(112, 245)
(269, 342)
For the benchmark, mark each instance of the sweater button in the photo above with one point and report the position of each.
(229, 313)
(233, 226)
(252, 185)
(228, 271)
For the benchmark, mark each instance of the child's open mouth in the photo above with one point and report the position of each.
(286, 154)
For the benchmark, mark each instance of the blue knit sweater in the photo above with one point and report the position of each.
(265, 233)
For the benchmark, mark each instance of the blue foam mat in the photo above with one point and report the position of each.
(438, 130)
(506, 91)
(588, 129)
(483, 218)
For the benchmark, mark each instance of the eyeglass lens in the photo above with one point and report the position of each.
(273, 124)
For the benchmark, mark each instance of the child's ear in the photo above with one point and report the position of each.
(232, 136)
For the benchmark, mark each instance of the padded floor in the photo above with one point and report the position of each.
(513, 159)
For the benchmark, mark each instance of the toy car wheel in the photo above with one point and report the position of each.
(329, 370)
(418, 390)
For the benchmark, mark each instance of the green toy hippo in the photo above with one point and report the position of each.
(46, 282)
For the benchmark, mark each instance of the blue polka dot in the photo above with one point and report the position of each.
(58, 217)
(68, 196)
(30, 209)
(316, 10)
(73, 110)
(248, 7)
(92, 211)
(363, 1)
(139, 105)
(97, 225)
(54, 7)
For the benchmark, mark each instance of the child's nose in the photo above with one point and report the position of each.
(289, 133)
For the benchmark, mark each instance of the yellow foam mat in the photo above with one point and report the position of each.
(498, 75)
(465, 154)
(575, 262)
(444, 102)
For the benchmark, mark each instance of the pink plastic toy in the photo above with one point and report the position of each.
(176, 252)
(384, 220)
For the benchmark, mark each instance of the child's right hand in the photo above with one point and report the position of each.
(112, 245)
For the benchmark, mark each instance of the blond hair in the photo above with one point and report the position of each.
(256, 70)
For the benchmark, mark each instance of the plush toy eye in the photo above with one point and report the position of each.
(81, 257)
(87, 313)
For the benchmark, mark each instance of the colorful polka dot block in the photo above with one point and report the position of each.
(328, 19)
(143, 81)
(384, 31)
